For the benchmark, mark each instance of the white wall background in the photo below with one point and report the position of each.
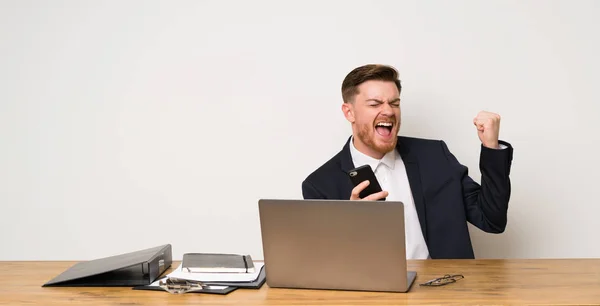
(130, 124)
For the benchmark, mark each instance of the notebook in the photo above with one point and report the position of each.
(217, 263)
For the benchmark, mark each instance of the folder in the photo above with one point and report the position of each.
(215, 287)
(211, 289)
(130, 269)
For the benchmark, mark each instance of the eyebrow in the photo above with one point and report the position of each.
(379, 101)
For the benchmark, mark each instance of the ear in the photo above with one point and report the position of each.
(348, 110)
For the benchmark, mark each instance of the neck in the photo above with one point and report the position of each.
(363, 148)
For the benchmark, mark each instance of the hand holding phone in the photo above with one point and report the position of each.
(366, 186)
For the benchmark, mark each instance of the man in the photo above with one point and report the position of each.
(439, 196)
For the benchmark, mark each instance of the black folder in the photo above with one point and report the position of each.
(131, 269)
(231, 286)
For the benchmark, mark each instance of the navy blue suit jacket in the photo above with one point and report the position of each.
(444, 194)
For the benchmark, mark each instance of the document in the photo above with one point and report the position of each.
(219, 283)
(217, 277)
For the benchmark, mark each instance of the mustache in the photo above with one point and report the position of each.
(391, 119)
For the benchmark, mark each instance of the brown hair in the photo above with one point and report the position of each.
(366, 73)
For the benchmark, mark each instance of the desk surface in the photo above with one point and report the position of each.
(539, 281)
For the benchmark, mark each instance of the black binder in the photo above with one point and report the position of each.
(231, 286)
(131, 269)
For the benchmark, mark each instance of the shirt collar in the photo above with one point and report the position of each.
(359, 158)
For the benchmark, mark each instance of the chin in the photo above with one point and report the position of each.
(385, 147)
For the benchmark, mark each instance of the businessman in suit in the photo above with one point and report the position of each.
(437, 192)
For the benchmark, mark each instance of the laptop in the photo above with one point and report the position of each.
(335, 244)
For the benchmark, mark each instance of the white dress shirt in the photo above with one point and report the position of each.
(392, 177)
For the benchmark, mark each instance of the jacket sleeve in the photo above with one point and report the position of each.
(309, 191)
(486, 205)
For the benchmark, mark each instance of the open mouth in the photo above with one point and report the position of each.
(384, 128)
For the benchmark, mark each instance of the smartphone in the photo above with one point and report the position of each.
(364, 173)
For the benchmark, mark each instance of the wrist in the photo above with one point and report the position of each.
(491, 145)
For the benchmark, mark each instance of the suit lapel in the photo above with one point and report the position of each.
(414, 178)
(346, 157)
(346, 165)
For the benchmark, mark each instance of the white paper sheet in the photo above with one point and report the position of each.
(218, 277)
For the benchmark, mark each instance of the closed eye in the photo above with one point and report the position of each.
(375, 103)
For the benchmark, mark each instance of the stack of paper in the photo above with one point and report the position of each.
(219, 283)
(218, 277)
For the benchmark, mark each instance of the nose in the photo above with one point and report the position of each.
(387, 109)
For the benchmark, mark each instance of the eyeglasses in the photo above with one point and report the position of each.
(444, 280)
(178, 286)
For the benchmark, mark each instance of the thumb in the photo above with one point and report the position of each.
(478, 125)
